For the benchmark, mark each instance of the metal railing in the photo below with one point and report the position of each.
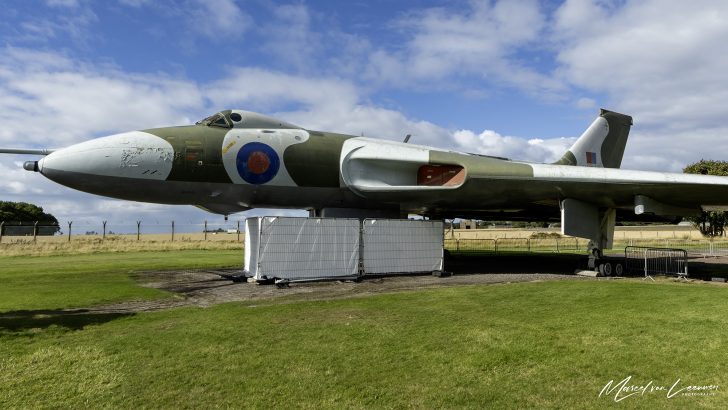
(232, 231)
(656, 261)
(704, 248)
(500, 245)
(135, 230)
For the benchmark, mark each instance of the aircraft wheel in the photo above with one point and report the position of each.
(605, 269)
(618, 269)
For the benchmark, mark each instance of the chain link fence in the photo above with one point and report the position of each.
(232, 232)
(502, 245)
(15, 232)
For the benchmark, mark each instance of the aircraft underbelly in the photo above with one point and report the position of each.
(196, 193)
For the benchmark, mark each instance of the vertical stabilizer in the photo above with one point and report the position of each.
(602, 144)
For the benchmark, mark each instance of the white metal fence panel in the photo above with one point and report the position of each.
(656, 261)
(718, 248)
(306, 248)
(402, 246)
(252, 244)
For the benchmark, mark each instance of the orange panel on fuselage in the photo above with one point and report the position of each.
(440, 175)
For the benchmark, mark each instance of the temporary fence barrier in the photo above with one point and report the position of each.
(704, 248)
(290, 248)
(401, 246)
(718, 248)
(656, 261)
(301, 248)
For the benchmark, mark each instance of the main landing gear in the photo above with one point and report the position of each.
(604, 265)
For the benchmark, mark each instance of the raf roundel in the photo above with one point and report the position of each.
(257, 163)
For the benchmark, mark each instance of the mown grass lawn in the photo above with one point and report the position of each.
(61, 281)
(534, 345)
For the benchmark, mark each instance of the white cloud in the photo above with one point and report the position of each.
(659, 60)
(320, 103)
(663, 62)
(218, 19)
(62, 3)
(289, 37)
(585, 103)
(481, 41)
(135, 3)
(490, 142)
(266, 89)
(54, 101)
(48, 100)
(69, 19)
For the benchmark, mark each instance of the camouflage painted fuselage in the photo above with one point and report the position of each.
(236, 160)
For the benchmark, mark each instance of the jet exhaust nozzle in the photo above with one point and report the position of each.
(31, 166)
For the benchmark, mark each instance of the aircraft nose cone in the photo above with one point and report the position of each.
(129, 155)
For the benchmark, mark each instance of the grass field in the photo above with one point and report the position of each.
(539, 344)
(50, 246)
(61, 281)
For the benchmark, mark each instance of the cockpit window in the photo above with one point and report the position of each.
(207, 120)
(216, 120)
(220, 122)
(236, 117)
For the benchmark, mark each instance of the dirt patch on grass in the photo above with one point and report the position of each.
(205, 288)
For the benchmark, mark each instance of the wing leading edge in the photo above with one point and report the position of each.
(23, 151)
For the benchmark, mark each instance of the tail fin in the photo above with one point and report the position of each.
(602, 144)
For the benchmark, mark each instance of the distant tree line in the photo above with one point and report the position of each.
(710, 223)
(18, 218)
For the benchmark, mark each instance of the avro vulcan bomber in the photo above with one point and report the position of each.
(235, 160)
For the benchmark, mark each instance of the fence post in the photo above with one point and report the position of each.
(69, 230)
(2, 228)
(496, 246)
(104, 235)
(645, 253)
(528, 244)
(238, 230)
(205, 230)
(139, 228)
(172, 231)
(35, 230)
(557, 245)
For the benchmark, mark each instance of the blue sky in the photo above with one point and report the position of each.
(513, 78)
